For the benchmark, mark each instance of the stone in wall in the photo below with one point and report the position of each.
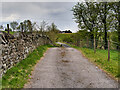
(16, 48)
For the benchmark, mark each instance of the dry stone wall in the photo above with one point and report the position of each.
(15, 48)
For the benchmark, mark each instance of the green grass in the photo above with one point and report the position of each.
(64, 37)
(0, 83)
(18, 75)
(11, 32)
(100, 58)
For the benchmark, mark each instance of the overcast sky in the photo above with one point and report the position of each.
(58, 12)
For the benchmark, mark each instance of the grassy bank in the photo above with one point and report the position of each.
(18, 75)
(100, 58)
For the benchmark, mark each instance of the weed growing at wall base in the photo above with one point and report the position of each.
(18, 75)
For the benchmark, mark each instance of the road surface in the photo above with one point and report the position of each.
(67, 68)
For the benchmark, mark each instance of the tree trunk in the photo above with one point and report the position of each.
(94, 45)
(105, 28)
(78, 43)
(108, 50)
(119, 40)
(8, 28)
(119, 26)
(92, 40)
(96, 39)
(87, 42)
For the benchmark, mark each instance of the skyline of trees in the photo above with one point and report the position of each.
(98, 18)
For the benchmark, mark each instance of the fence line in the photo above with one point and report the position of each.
(100, 44)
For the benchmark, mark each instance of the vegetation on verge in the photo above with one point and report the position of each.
(18, 75)
(11, 32)
(100, 59)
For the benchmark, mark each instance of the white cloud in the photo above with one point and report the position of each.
(40, 0)
(59, 13)
(12, 17)
(59, 1)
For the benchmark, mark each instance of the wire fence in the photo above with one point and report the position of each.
(93, 43)
(97, 44)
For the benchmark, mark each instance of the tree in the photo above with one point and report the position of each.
(119, 27)
(116, 8)
(1, 27)
(34, 25)
(86, 16)
(21, 27)
(103, 8)
(82, 35)
(52, 32)
(13, 25)
(27, 26)
(95, 17)
(43, 27)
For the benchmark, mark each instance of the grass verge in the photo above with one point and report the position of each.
(18, 75)
(11, 32)
(100, 58)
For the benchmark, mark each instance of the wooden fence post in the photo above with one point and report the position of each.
(94, 45)
(87, 42)
(108, 50)
(8, 28)
(22, 27)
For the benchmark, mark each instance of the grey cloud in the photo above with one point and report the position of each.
(37, 11)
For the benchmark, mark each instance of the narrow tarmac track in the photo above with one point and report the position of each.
(67, 68)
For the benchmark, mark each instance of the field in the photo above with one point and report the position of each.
(65, 37)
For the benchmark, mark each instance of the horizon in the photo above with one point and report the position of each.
(58, 12)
